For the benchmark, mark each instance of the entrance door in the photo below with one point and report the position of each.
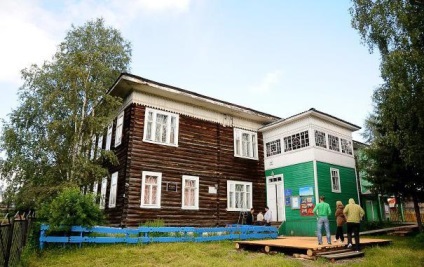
(275, 197)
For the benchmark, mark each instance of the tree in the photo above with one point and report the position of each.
(63, 103)
(396, 129)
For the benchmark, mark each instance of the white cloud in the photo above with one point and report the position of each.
(270, 81)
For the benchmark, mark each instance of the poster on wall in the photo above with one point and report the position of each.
(307, 205)
(295, 202)
(306, 191)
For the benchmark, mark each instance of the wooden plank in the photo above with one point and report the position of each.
(345, 255)
(333, 252)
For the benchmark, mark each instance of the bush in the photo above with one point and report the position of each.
(72, 208)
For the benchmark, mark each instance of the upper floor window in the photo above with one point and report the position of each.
(103, 193)
(108, 137)
(273, 148)
(239, 196)
(333, 142)
(113, 190)
(161, 127)
(346, 146)
(335, 180)
(245, 144)
(151, 189)
(320, 139)
(296, 141)
(119, 129)
(190, 192)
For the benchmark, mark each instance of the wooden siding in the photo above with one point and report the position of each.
(205, 149)
(295, 177)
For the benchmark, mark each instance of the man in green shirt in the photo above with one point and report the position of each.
(322, 211)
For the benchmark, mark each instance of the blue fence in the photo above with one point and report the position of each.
(111, 235)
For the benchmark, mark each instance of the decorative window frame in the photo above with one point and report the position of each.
(108, 137)
(335, 180)
(102, 202)
(333, 142)
(320, 139)
(158, 192)
(171, 127)
(346, 146)
(113, 190)
(196, 192)
(231, 195)
(273, 148)
(245, 148)
(119, 129)
(296, 141)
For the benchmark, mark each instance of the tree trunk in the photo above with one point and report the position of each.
(417, 212)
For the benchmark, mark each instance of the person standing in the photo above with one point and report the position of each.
(249, 218)
(340, 220)
(322, 210)
(353, 213)
(268, 216)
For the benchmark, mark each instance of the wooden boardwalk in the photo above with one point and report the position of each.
(303, 245)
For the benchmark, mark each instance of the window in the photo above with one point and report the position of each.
(320, 139)
(108, 137)
(333, 142)
(296, 141)
(245, 144)
(119, 129)
(239, 196)
(161, 127)
(113, 190)
(103, 193)
(346, 146)
(93, 146)
(95, 187)
(190, 192)
(99, 145)
(335, 180)
(151, 189)
(273, 148)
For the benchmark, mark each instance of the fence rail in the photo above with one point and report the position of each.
(100, 234)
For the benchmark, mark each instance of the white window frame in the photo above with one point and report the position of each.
(113, 190)
(108, 137)
(196, 192)
(273, 148)
(334, 173)
(251, 145)
(119, 129)
(170, 128)
(336, 145)
(95, 187)
(158, 193)
(231, 196)
(99, 145)
(320, 141)
(102, 202)
(93, 146)
(296, 141)
(346, 146)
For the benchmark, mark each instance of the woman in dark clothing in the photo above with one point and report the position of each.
(340, 219)
(249, 218)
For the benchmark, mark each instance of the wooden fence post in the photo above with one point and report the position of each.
(9, 242)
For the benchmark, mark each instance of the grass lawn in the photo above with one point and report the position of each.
(403, 252)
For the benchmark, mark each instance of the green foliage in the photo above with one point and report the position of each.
(154, 223)
(62, 104)
(419, 240)
(72, 208)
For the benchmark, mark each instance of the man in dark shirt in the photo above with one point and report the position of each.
(249, 217)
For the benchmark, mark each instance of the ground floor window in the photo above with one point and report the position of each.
(190, 192)
(113, 190)
(335, 180)
(103, 193)
(239, 196)
(151, 189)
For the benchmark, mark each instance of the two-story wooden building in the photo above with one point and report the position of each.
(184, 158)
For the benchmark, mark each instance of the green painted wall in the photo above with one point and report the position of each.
(302, 175)
(295, 177)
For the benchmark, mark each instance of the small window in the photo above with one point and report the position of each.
(113, 190)
(245, 144)
(190, 192)
(93, 146)
(108, 137)
(239, 196)
(335, 180)
(119, 129)
(161, 127)
(103, 193)
(273, 148)
(346, 146)
(333, 142)
(151, 189)
(99, 145)
(296, 141)
(320, 139)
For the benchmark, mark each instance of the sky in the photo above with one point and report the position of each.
(277, 56)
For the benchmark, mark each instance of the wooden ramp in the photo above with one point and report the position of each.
(303, 245)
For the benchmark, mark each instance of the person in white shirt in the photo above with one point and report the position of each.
(267, 216)
(260, 218)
